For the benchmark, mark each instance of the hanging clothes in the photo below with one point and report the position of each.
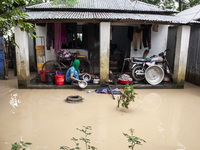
(111, 32)
(50, 35)
(130, 33)
(146, 35)
(155, 27)
(149, 38)
(63, 33)
(57, 37)
(138, 33)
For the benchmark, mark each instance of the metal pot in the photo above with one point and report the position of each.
(154, 75)
(86, 77)
(82, 84)
(96, 81)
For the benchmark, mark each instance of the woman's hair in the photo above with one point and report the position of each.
(76, 64)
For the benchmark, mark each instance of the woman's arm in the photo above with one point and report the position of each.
(80, 74)
(72, 77)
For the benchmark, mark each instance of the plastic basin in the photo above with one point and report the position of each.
(124, 81)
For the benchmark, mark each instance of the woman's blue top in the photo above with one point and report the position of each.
(69, 71)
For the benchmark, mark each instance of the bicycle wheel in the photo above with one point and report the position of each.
(52, 65)
(85, 66)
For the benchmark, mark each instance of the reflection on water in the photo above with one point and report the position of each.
(182, 146)
(166, 119)
(14, 100)
(161, 127)
(152, 101)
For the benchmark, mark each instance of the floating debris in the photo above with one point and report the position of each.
(74, 99)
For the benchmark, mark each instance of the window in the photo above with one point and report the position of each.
(74, 36)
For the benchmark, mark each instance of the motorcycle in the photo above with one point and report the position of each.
(152, 69)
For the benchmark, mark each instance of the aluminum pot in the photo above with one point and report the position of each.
(83, 84)
(86, 77)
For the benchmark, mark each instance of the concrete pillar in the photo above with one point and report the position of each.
(181, 53)
(22, 57)
(104, 51)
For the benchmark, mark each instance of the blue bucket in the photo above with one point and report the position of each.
(61, 72)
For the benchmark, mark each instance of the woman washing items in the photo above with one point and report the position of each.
(73, 73)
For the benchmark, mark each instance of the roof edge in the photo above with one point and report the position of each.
(101, 10)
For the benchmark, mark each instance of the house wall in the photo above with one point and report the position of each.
(193, 61)
(158, 43)
(119, 37)
(42, 31)
(171, 45)
(22, 57)
(49, 54)
(158, 40)
(181, 54)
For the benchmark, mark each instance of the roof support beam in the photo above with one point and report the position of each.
(104, 51)
(22, 58)
(181, 54)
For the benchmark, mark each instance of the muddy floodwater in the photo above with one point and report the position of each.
(166, 119)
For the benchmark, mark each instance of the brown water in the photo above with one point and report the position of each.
(166, 119)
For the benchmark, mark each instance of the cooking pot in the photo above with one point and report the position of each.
(83, 84)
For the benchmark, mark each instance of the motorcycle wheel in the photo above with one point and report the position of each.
(169, 72)
(135, 76)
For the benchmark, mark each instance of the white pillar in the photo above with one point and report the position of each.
(22, 57)
(181, 53)
(104, 51)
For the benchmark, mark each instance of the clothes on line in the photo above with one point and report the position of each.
(130, 33)
(63, 33)
(155, 27)
(143, 33)
(57, 40)
(137, 34)
(50, 35)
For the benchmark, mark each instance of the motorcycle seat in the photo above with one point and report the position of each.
(140, 59)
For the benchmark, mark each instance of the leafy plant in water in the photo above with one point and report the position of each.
(127, 95)
(133, 139)
(84, 139)
(18, 146)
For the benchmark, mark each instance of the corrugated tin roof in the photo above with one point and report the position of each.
(51, 15)
(124, 5)
(191, 14)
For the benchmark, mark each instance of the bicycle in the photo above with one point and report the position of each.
(63, 62)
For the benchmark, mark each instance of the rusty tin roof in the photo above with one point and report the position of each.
(72, 15)
(108, 5)
(123, 10)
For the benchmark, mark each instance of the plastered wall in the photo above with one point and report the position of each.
(158, 43)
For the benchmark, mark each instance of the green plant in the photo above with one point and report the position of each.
(127, 95)
(18, 146)
(12, 14)
(133, 139)
(84, 139)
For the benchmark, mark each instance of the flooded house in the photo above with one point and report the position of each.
(105, 32)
